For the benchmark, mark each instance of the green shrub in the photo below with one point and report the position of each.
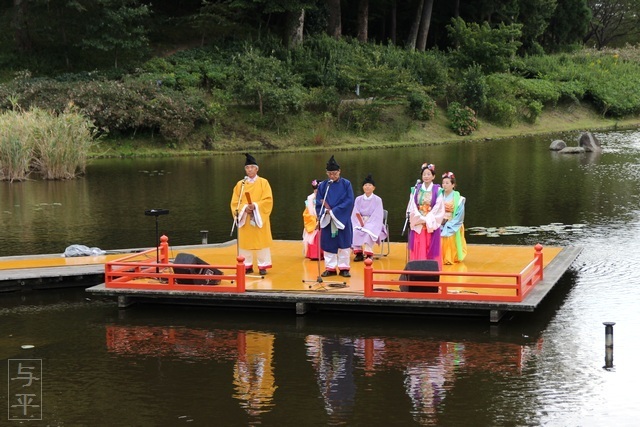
(533, 111)
(501, 113)
(614, 87)
(280, 101)
(266, 83)
(379, 71)
(609, 79)
(324, 61)
(462, 120)
(491, 48)
(430, 70)
(474, 88)
(398, 127)
(358, 116)
(324, 99)
(383, 81)
(573, 90)
(421, 106)
(195, 68)
(121, 107)
(544, 91)
(503, 86)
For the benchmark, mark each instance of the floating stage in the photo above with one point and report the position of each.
(493, 280)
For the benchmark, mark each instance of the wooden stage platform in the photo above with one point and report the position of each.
(292, 282)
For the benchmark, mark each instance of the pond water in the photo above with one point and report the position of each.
(165, 365)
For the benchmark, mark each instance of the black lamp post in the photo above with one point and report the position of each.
(157, 213)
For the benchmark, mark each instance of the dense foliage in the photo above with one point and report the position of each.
(266, 62)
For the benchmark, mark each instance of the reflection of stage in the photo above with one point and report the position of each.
(252, 352)
(430, 367)
(157, 341)
(381, 354)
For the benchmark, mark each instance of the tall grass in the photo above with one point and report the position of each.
(61, 144)
(16, 147)
(54, 145)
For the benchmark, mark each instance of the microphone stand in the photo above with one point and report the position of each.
(157, 213)
(236, 219)
(319, 281)
(406, 220)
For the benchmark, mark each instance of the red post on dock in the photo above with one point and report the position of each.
(539, 259)
(368, 277)
(164, 249)
(240, 273)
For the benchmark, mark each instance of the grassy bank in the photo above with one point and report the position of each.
(315, 133)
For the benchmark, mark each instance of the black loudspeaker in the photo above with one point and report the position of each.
(420, 265)
(192, 259)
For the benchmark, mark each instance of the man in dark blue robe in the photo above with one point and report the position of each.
(334, 203)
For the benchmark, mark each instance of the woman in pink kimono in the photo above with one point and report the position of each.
(367, 219)
(425, 212)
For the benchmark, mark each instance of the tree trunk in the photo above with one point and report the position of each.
(295, 28)
(413, 32)
(456, 9)
(425, 23)
(363, 20)
(393, 16)
(334, 19)
(19, 25)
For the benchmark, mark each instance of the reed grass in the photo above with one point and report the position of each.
(55, 146)
(16, 147)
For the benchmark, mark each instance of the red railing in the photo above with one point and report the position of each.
(152, 270)
(515, 287)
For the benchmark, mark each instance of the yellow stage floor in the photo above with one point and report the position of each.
(292, 272)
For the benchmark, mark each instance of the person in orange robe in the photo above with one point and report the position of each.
(251, 205)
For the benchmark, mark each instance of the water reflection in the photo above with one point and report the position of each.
(333, 361)
(428, 370)
(251, 352)
(426, 384)
(169, 342)
(253, 374)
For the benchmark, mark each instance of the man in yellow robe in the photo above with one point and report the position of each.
(251, 205)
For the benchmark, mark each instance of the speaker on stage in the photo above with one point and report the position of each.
(183, 258)
(420, 265)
